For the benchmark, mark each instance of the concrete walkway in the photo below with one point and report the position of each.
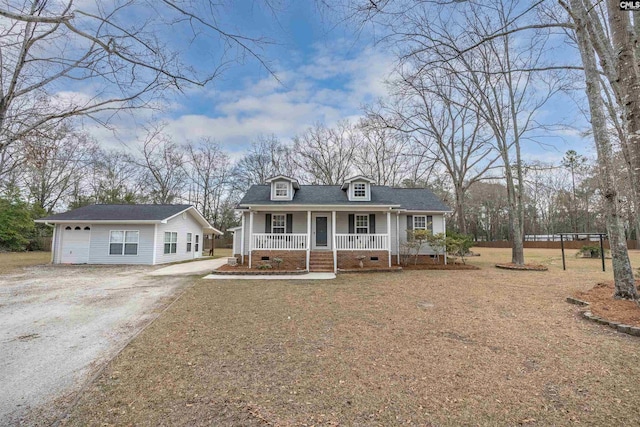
(190, 268)
(308, 276)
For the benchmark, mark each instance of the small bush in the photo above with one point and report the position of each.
(265, 267)
(459, 245)
(277, 262)
(590, 251)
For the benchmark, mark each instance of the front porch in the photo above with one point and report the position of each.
(318, 241)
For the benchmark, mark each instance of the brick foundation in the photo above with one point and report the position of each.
(291, 260)
(349, 260)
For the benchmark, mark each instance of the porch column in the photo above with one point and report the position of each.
(308, 237)
(389, 236)
(244, 234)
(250, 236)
(333, 238)
(398, 236)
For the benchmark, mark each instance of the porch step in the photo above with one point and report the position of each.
(321, 261)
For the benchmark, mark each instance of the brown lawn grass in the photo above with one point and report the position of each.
(483, 347)
(13, 262)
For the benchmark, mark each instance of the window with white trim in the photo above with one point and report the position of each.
(423, 222)
(278, 223)
(282, 189)
(170, 242)
(123, 242)
(360, 190)
(189, 236)
(362, 224)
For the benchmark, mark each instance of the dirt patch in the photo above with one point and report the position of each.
(442, 348)
(524, 267)
(602, 304)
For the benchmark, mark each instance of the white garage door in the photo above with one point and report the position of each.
(75, 244)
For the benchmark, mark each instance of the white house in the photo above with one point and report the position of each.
(327, 227)
(127, 234)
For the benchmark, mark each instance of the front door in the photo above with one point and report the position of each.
(321, 231)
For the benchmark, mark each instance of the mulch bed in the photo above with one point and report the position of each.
(602, 304)
(441, 267)
(371, 270)
(243, 269)
(525, 267)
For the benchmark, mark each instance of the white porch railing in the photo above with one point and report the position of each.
(354, 242)
(279, 241)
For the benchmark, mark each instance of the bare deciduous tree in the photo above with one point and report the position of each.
(115, 178)
(383, 154)
(163, 163)
(210, 172)
(442, 120)
(93, 58)
(266, 158)
(325, 155)
(53, 163)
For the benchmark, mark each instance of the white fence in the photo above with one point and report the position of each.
(354, 242)
(279, 241)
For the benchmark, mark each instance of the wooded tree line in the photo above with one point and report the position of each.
(71, 170)
(472, 84)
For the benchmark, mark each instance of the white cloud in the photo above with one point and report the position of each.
(304, 96)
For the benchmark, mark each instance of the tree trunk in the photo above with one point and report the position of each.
(515, 223)
(623, 274)
(460, 217)
(628, 79)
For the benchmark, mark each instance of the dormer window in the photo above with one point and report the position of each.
(359, 190)
(282, 189)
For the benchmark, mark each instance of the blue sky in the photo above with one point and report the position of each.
(327, 73)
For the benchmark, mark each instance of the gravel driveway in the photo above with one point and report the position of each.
(59, 324)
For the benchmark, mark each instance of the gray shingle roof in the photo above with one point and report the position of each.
(118, 213)
(419, 199)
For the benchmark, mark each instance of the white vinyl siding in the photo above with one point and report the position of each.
(342, 221)
(100, 244)
(437, 227)
(181, 226)
(237, 235)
